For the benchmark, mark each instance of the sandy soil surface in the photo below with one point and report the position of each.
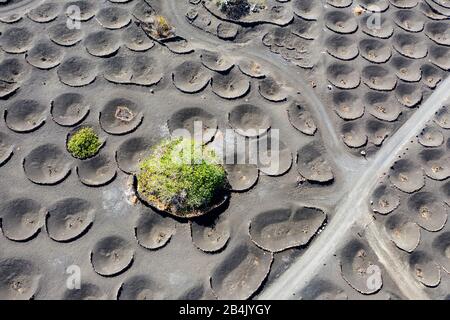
(357, 208)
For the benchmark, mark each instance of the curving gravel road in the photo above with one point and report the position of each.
(354, 208)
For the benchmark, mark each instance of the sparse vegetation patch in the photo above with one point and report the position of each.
(181, 176)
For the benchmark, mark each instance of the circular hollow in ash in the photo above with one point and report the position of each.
(64, 36)
(179, 46)
(249, 120)
(439, 6)
(408, 94)
(304, 29)
(374, 5)
(301, 118)
(443, 3)
(441, 245)
(69, 109)
(25, 115)
(215, 61)
(97, 171)
(431, 137)
(428, 211)
(347, 105)
(19, 279)
(120, 116)
(230, 278)
(375, 50)
(135, 39)
(319, 289)
(307, 9)
(343, 75)
(77, 72)
(340, 21)
(242, 177)
(46, 165)
(6, 148)
(143, 12)
(378, 131)
(410, 45)
(45, 55)
(382, 106)
(16, 40)
(14, 70)
(7, 88)
(341, 47)
(384, 200)
(439, 32)
(404, 4)
(12, 18)
(280, 229)
(353, 134)
(227, 31)
(146, 71)
(313, 165)
(278, 38)
(356, 261)
(424, 269)
(379, 78)
(111, 256)
(69, 218)
(435, 163)
(409, 20)
(272, 90)
(190, 77)
(210, 234)
(274, 156)
(340, 3)
(131, 152)
(87, 10)
(406, 69)
(440, 56)
(252, 68)
(432, 75)
(118, 70)
(113, 17)
(102, 43)
(382, 30)
(197, 291)
(153, 230)
(195, 120)
(231, 85)
(404, 233)
(406, 176)
(442, 117)
(433, 10)
(87, 291)
(141, 287)
(16, 7)
(22, 219)
(45, 12)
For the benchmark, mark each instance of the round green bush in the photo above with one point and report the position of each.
(182, 177)
(84, 143)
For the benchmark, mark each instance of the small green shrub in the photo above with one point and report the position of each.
(84, 143)
(181, 176)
